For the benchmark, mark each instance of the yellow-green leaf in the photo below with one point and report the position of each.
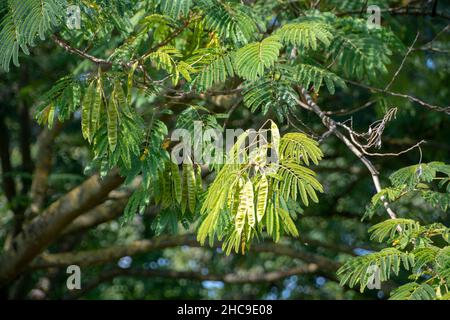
(113, 118)
(191, 185)
(176, 180)
(246, 207)
(86, 109)
(263, 191)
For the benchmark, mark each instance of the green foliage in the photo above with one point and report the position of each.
(166, 58)
(175, 8)
(427, 180)
(252, 60)
(389, 228)
(113, 122)
(297, 146)
(91, 108)
(172, 63)
(309, 75)
(423, 250)
(414, 291)
(361, 52)
(252, 192)
(23, 22)
(60, 101)
(269, 94)
(306, 34)
(232, 21)
(175, 189)
(412, 247)
(357, 270)
(219, 70)
(360, 56)
(412, 175)
(349, 5)
(198, 45)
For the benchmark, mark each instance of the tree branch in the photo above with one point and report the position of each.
(100, 256)
(63, 44)
(43, 164)
(42, 230)
(172, 36)
(231, 278)
(402, 95)
(332, 126)
(324, 263)
(102, 213)
(105, 255)
(402, 63)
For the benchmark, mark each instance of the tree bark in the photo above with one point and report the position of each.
(42, 169)
(42, 230)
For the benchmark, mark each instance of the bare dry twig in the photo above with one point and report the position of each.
(332, 127)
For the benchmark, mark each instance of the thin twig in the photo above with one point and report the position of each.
(403, 62)
(63, 44)
(403, 10)
(343, 112)
(402, 95)
(172, 36)
(230, 112)
(429, 43)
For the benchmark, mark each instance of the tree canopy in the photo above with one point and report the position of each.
(199, 149)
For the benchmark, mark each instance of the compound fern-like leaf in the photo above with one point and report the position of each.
(252, 60)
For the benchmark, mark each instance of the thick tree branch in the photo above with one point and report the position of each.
(324, 263)
(45, 228)
(43, 164)
(101, 256)
(231, 278)
(102, 213)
